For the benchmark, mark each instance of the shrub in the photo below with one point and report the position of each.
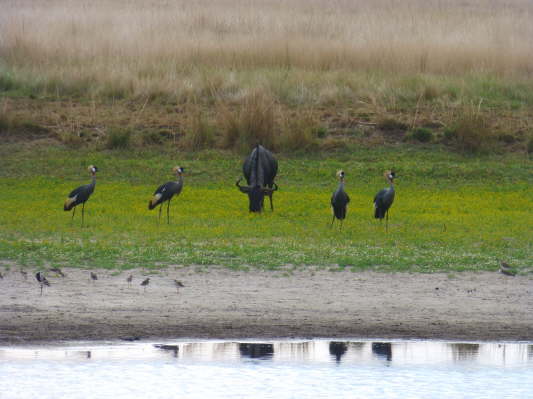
(253, 122)
(422, 134)
(118, 138)
(298, 133)
(530, 145)
(199, 133)
(450, 133)
(473, 132)
(390, 124)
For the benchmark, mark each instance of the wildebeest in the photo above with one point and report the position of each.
(259, 169)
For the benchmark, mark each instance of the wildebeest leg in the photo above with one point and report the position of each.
(168, 212)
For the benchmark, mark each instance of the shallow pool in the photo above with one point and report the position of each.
(268, 369)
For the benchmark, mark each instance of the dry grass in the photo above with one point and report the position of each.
(184, 48)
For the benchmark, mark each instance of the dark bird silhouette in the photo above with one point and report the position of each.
(58, 271)
(42, 280)
(94, 277)
(178, 284)
(80, 195)
(145, 283)
(507, 269)
(384, 199)
(1, 276)
(129, 279)
(339, 200)
(166, 191)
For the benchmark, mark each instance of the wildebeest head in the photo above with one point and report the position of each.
(256, 195)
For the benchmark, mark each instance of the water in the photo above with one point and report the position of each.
(270, 369)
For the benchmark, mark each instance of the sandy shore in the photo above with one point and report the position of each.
(257, 304)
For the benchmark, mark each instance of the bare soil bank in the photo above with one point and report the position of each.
(227, 304)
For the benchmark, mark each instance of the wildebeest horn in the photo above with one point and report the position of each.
(269, 190)
(243, 189)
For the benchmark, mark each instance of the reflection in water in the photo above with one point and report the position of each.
(281, 370)
(382, 350)
(171, 348)
(337, 349)
(464, 352)
(309, 351)
(256, 351)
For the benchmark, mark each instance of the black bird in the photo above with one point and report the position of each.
(166, 191)
(94, 276)
(178, 285)
(42, 280)
(129, 279)
(81, 195)
(58, 271)
(1, 276)
(339, 200)
(507, 269)
(145, 283)
(384, 198)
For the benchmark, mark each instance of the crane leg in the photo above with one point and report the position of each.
(82, 213)
(271, 204)
(340, 228)
(73, 213)
(41, 290)
(332, 220)
(387, 221)
(160, 207)
(168, 212)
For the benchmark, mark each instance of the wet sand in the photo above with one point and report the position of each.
(221, 303)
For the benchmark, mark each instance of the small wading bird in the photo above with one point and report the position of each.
(383, 200)
(58, 271)
(42, 280)
(145, 283)
(94, 277)
(129, 279)
(166, 191)
(81, 195)
(178, 284)
(507, 269)
(339, 200)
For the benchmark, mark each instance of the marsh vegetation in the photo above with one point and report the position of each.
(137, 87)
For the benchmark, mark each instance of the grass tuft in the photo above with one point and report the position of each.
(119, 138)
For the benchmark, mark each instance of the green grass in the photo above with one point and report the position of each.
(451, 213)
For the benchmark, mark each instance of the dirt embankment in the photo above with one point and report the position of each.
(257, 304)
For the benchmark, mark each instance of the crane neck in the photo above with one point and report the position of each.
(179, 177)
(93, 179)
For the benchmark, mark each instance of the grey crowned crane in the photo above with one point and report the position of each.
(339, 200)
(81, 195)
(166, 191)
(384, 199)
